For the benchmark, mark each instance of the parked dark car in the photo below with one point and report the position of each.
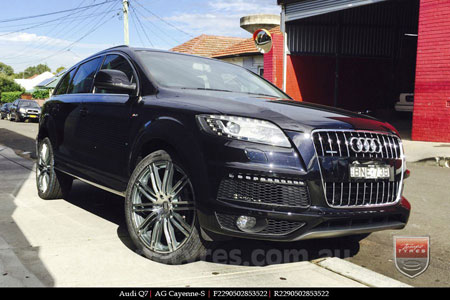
(21, 110)
(201, 150)
(4, 110)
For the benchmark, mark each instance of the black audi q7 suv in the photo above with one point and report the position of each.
(202, 149)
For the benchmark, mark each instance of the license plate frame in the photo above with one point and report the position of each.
(372, 172)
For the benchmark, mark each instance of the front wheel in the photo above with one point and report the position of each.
(160, 211)
(51, 184)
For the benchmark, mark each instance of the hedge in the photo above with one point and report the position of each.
(10, 96)
(40, 94)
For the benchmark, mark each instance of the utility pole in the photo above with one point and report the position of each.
(126, 35)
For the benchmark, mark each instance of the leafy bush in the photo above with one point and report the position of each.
(10, 96)
(7, 84)
(41, 94)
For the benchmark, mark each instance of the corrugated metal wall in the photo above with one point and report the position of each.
(309, 8)
(368, 31)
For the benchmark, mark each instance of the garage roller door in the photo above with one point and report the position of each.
(309, 8)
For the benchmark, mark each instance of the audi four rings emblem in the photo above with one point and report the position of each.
(365, 145)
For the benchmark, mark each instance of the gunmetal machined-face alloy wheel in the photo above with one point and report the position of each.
(44, 168)
(163, 213)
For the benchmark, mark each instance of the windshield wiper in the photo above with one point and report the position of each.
(206, 89)
(273, 96)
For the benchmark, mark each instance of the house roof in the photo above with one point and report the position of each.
(30, 83)
(206, 45)
(245, 47)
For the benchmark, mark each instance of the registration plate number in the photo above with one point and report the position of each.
(370, 172)
(33, 116)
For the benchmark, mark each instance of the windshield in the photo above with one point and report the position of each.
(190, 72)
(29, 104)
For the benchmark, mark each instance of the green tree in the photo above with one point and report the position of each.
(35, 70)
(5, 69)
(59, 70)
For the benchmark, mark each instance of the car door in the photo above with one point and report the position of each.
(107, 122)
(77, 144)
(63, 118)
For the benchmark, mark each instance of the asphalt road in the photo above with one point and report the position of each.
(426, 189)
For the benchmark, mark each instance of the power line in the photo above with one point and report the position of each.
(142, 27)
(158, 29)
(171, 25)
(93, 29)
(135, 26)
(54, 13)
(62, 29)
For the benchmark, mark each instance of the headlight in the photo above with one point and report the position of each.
(22, 110)
(245, 129)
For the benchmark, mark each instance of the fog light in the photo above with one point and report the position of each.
(246, 223)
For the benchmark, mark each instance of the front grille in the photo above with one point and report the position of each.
(361, 193)
(263, 193)
(274, 227)
(331, 144)
(337, 143)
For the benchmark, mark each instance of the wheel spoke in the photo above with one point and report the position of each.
(147, 222)
(179, 186)
(44, 153)
(155, 179)
(170, 235)
(183, 205)
(144, 190)
(179, 226)
(156, 234)
(182, 222)
(167, 180)
(143, 207)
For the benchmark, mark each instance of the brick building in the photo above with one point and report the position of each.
(361, 54)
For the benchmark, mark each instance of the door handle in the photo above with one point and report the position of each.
(84, 111)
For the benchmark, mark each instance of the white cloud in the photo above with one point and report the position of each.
(21, 50)
(222, 16)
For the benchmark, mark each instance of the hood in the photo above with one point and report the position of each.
(286, 113)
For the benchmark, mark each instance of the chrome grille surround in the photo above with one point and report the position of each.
(335, 143)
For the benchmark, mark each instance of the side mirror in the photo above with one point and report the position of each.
(114, 80)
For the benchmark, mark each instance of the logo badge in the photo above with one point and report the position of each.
(365, 145)
(412, 255)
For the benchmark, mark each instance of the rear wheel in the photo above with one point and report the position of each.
(160, 211)
(51, 184)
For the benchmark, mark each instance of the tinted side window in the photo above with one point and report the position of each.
(84, 78)
(117, 62)
(64, 84)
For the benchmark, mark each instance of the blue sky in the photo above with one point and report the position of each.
(63, 39)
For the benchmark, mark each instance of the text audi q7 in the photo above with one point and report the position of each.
(202, 149)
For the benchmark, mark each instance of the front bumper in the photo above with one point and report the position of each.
(292, 172)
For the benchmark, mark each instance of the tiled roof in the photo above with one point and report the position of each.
(206, 45)
(245, 47)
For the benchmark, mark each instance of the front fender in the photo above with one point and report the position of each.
(169, 132)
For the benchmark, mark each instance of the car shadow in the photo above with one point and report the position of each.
(18, 142)
(22, 265)
(242, 252)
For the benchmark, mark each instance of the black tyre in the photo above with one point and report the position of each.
(17, 118)
(160, 211)
(51, 184)
(9, 117)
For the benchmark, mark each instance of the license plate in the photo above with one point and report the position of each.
(33, 116)
(370, 172)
